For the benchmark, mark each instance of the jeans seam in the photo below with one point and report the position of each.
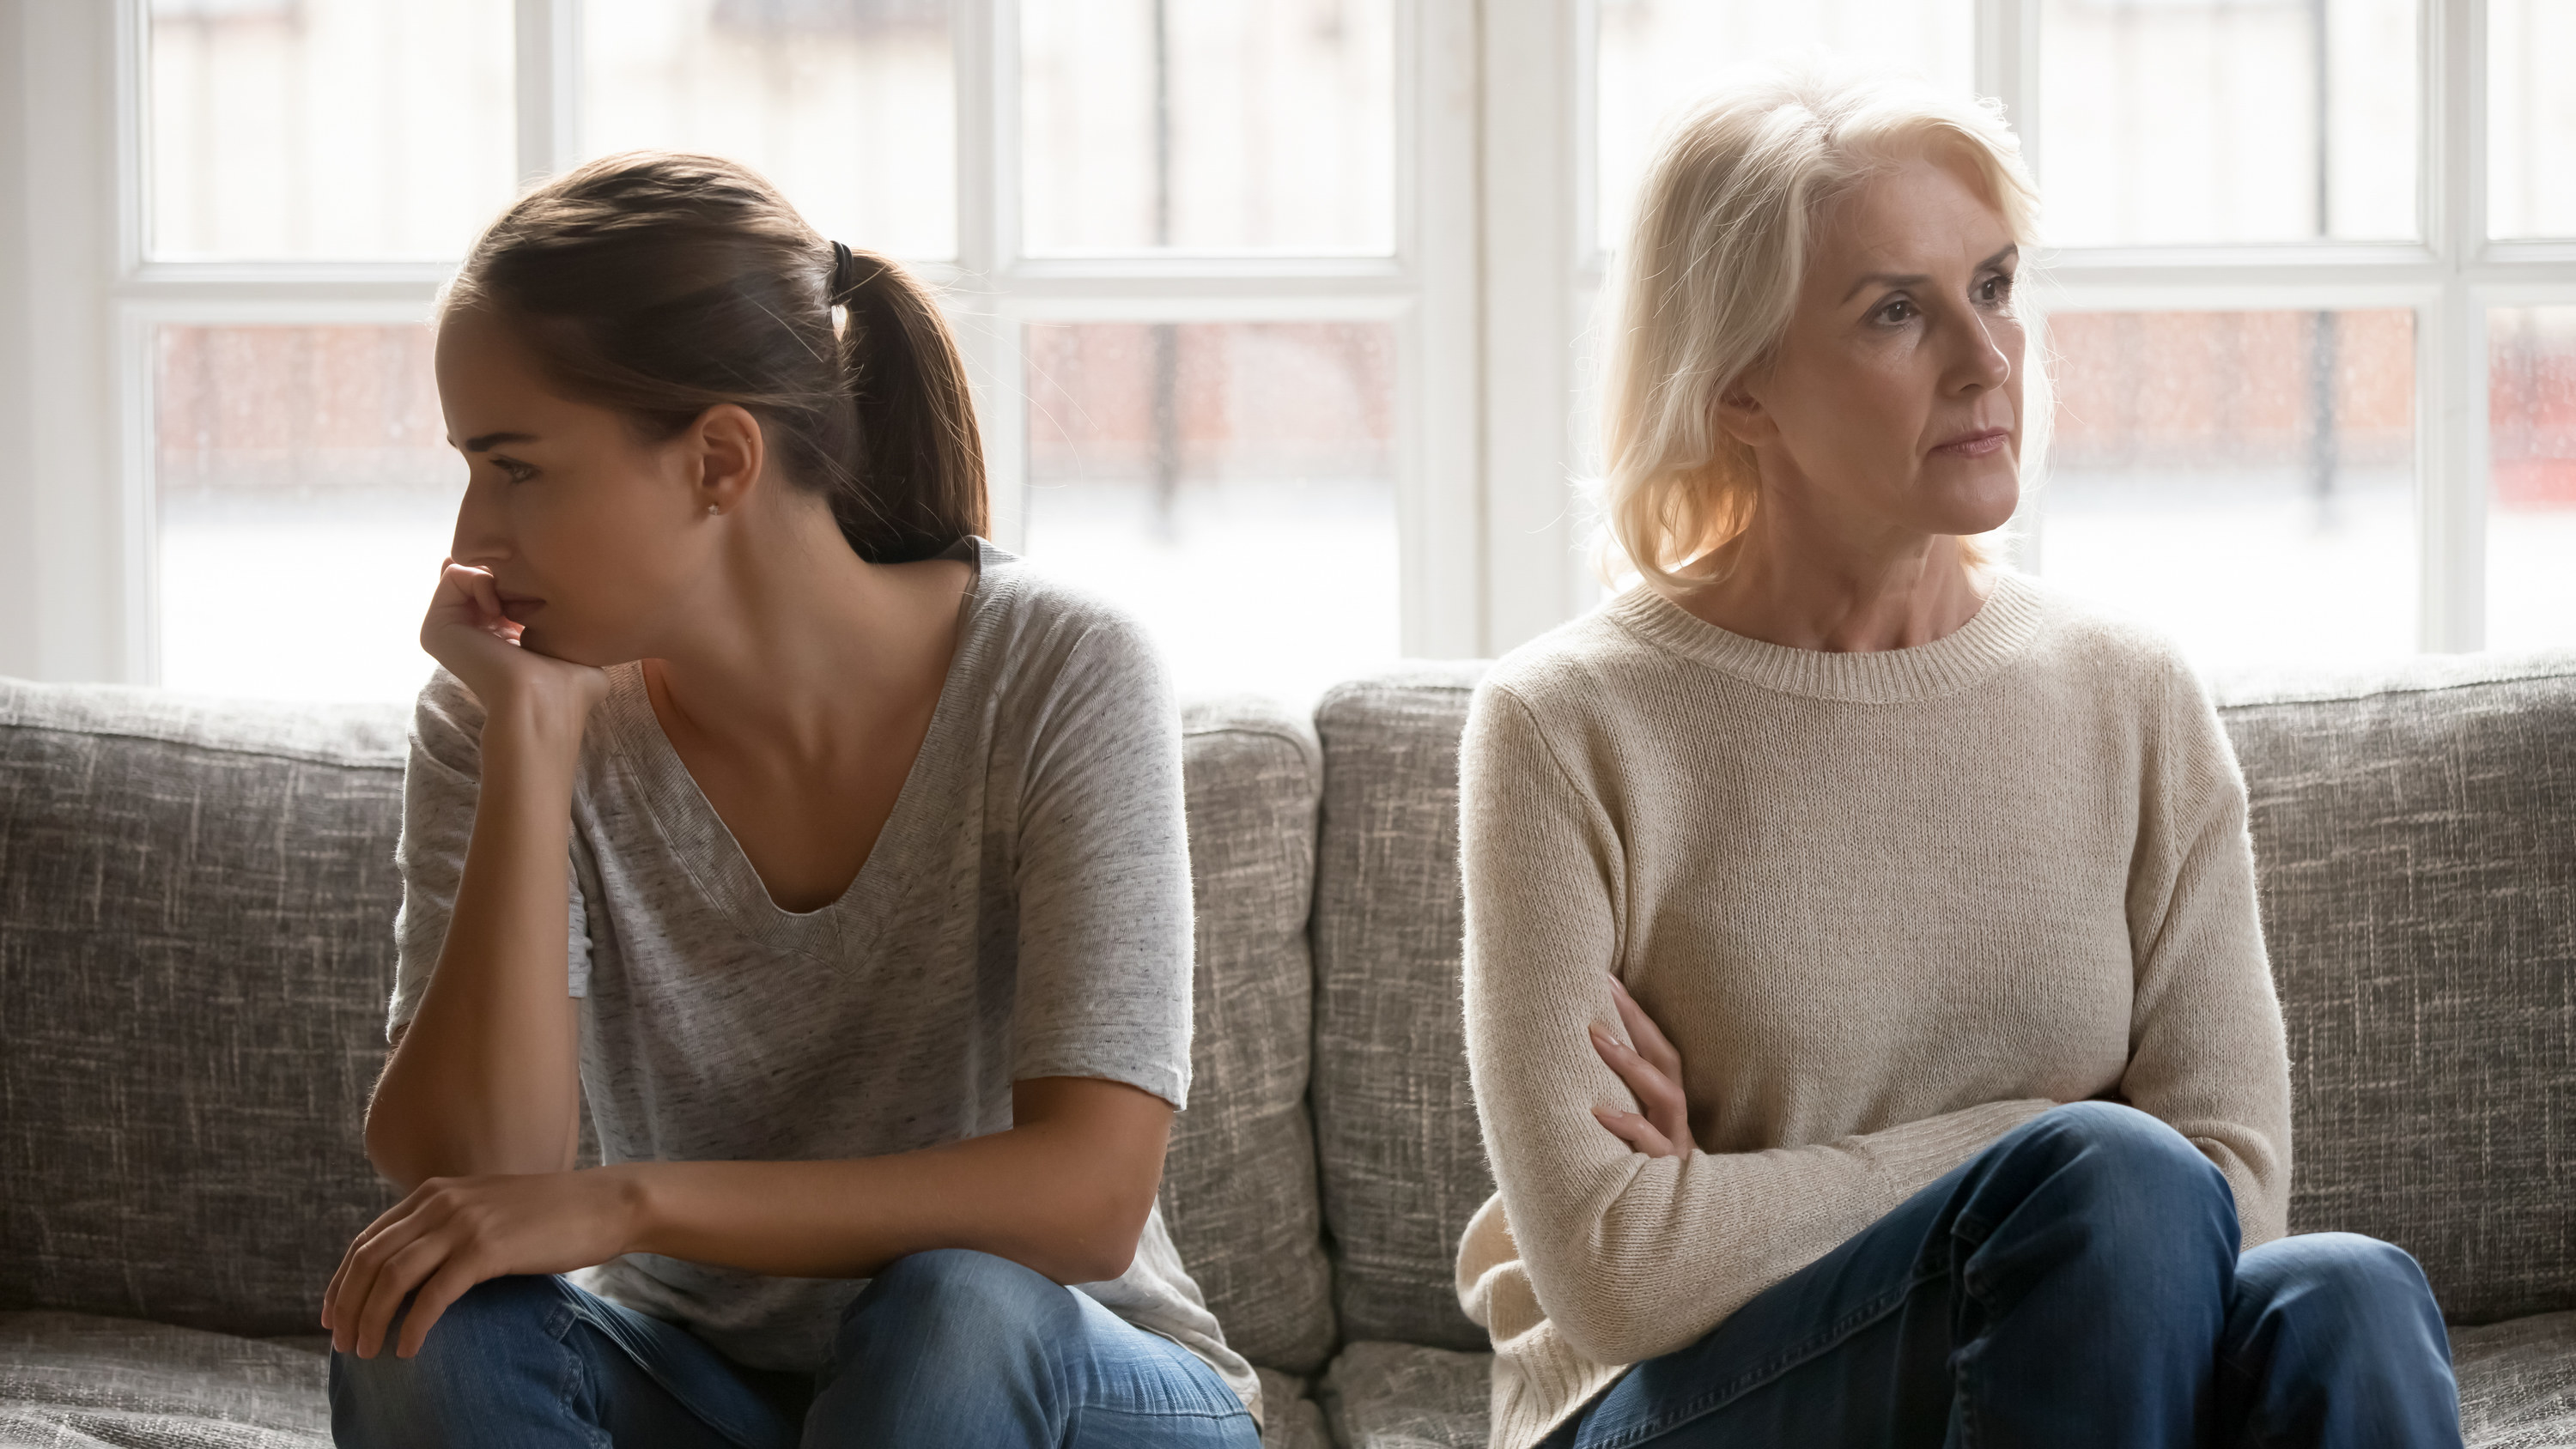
(561, 1319)
(652, 1370)
(1780, 1362)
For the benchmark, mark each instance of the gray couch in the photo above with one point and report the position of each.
(196, 905)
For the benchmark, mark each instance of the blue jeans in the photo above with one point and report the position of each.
(2078, 1282)
(942, 1348)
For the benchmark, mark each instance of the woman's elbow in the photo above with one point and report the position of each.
(1612, 1308)
(1098, 1241)
(1605, 1327)
(392, 1153)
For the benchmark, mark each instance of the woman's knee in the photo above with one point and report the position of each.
(954, 1306)
(948, 1347)
(2147, 1201)
(2116, 1151)
(498, 1331)
(2332, 1289)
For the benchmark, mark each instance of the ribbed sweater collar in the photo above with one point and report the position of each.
(2001, 629)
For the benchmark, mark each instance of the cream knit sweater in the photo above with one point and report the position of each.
(1888, 906)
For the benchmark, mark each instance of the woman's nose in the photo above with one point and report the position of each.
(1984, 363)
(481, 538)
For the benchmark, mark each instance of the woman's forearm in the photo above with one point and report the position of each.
(485, 1079)
(1065, 1191)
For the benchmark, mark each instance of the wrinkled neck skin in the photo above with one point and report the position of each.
(1805, 575)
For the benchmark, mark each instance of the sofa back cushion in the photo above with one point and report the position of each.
(2415, 833)
(1395, 1123)
(196, 943)
(1239, 1184)
(196, 907)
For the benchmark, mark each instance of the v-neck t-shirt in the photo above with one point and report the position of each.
(1024, 913)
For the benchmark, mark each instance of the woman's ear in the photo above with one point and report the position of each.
(728, 451)
(1741, 416)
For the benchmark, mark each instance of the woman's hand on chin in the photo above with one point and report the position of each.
(1653, 1071)
(467, 631)
(455, 1232)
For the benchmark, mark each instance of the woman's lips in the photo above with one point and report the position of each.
(1977, 444)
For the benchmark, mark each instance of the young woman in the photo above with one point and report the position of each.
(833, 858)
(1865, 993)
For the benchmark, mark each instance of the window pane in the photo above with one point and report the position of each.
(327, 128)
(1208, 125)
(2531, 119)
(1656, 55)
(2243, 479)
(1231, 483)
(306, 497)
(2168, 121)
(2531, 510)
(850, 106)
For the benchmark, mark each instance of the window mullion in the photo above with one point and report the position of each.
(984, 41)
(546, 71)
(2451, 363)
(1529, 172)
(2007, 66)
(985, 47)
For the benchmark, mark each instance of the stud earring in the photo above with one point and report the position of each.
(711, 508)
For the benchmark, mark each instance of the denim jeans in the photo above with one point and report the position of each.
(942, 1348)
(2078, 1282)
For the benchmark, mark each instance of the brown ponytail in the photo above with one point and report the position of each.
(662, 284)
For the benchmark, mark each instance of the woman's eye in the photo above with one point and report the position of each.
(1995, 289)
(1896, 311)
(514, 470)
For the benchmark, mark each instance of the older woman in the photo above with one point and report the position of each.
(1865, 992)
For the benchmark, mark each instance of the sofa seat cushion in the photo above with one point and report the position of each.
(1381, 1395)
(2517, 1390)
(2518, 1382)
(72, 1379)
(1289, 1419)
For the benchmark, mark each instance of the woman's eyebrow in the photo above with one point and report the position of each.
(488, 441)
(1916, 279)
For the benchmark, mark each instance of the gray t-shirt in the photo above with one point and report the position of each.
(1025, 913)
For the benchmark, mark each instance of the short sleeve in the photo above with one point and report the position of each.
(1103, 871)
(442, 778)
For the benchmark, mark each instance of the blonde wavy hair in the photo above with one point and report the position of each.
(1710, 276)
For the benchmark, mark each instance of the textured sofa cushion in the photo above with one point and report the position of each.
(2415, 831)
(72, 1379)
(1380, 1395)
(195, 944)
(69, 1379)
(2517, 1390)
(1239, 1186)
(196, 907)
(1403, 1162)
(2518, 1382)
(2416, 834)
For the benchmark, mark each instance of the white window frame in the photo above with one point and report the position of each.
(1490, 292)
(84, 573)
(2448, 281)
